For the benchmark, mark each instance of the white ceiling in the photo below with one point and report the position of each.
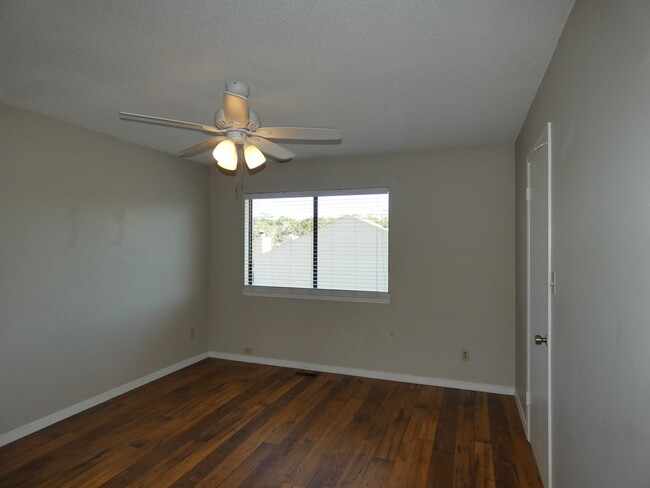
(392, 75)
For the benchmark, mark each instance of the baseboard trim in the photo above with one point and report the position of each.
(365, 373)
(41, 423)
(522, 414)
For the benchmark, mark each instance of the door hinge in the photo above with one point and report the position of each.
(537, 148)
(553, 283)
(528, 194)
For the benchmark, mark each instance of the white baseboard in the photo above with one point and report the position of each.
(41, 423)
(96, 400)
(364, 373)
(522, 414)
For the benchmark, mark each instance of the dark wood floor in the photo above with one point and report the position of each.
(223, 423)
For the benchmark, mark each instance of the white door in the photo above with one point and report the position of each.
(540, 288)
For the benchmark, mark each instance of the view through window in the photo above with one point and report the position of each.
(324, 241)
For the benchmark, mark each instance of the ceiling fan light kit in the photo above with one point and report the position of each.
(236, 125)
(253, 156)
(225, 154)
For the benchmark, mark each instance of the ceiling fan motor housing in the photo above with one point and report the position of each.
(237, 136)
(238, 88)
(254, 122)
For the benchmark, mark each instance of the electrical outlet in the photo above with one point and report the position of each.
(464, 355)
(248, 350)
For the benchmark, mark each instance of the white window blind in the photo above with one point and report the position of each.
(326, 242)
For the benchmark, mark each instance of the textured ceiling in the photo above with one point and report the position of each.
(392, 75)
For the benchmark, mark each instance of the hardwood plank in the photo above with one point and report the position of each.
(322, 438)
(358, 465)
(503, 448)
(431, 399)
(346, 457)
(448, 423)
(405, 466)
(377, 474)
(484, 466)
(392, 438)
(225, 424)
(424, 452)
(384, 408)
(370, 433)
(464, 452)
(441, 467)
(482, 418)
(288, 450)
(242, 470)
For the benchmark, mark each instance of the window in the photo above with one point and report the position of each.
(323, 245)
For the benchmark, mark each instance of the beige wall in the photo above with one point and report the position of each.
(451, 270)
(596, 93)
(103, 253)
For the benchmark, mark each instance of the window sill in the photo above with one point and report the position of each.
(313, 294)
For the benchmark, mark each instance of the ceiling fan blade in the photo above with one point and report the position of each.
(201, 147)
(271, 149)
(235, 110)
(177, 124)
(299, 133)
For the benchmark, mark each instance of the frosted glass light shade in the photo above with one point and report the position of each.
(253, 156)
(226, 155)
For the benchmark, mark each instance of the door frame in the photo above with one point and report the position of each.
(544, 139)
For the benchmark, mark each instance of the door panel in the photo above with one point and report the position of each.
(539, 300)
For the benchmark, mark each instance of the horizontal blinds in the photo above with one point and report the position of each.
(349, 251)
(353, 242)
(281, 242)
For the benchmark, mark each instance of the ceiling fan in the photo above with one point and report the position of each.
(238, 128)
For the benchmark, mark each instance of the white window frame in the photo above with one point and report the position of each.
(318, 293)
